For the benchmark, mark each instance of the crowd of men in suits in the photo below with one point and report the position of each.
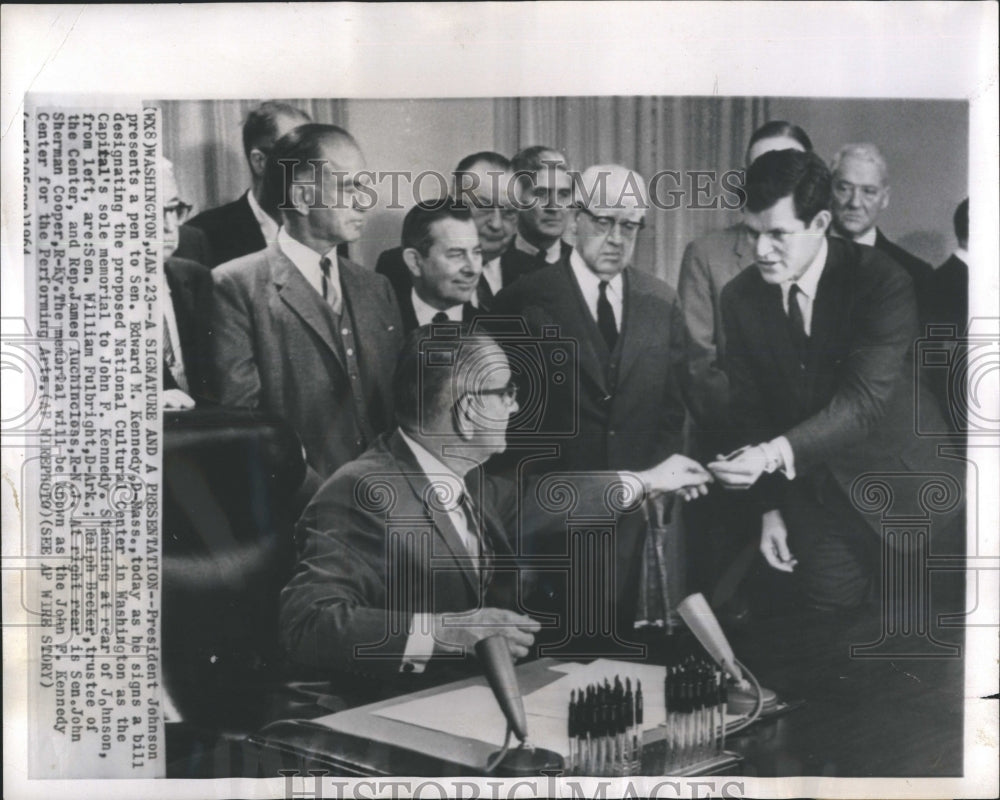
(787, 347)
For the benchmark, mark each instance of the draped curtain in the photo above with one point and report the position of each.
(204, 139)
(650, 134)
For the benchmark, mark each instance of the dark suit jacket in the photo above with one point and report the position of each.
(515, 263)
(709, 263)
(275, 349)
(192, 244)
(231, 229)
(850, 410)
(634, 421)
(950, 285)
(348, 589)
(920, 273)
(191, 294)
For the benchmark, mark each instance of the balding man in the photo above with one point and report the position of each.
(860, 195)
(624, 408)
(243, 226)
(298, 331)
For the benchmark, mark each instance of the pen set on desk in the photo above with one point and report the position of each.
(604, 728)
(694, 693)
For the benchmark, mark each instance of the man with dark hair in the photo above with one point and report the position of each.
(819, 340)
(243, 226)
(482, 182)
(719, 527)
(951, 279)
(406, 558)
(299, 331)
(860, 194)
(443, 253)
(544, 190)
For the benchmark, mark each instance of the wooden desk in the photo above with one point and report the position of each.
(864, 717)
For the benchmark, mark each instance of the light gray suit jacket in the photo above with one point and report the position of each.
(275, 348)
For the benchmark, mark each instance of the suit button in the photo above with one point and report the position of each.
(350, 351)
(345, 332)
(354, 377)
(408, 667)
(611, 433)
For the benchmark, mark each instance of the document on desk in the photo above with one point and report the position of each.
(546, 708)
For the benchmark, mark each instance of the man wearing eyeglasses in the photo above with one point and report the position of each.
(623, 408)
(482, 182)
(243, 226)
(406, 554)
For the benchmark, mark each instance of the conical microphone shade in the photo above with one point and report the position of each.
(498, 667)
(694, 610)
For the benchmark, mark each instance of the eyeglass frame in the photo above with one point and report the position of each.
(507, 393)
(627, 227)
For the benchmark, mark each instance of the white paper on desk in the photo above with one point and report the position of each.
(473, 713)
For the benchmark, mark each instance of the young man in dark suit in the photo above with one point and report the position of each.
(819, 357)
(244, 226)
(297, 330)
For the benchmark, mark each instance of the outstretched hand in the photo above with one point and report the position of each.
(678, 474)
(461, 631)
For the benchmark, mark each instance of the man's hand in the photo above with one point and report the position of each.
(461, 631)
(175, 398)
(678, 474)
(774, 542)
(741, 469)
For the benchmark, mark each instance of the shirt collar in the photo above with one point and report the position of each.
(551, 254)
(868, 237)
(433, 467)
(590, 282)
(425, 312)
(306, 260)
(266, 222)
(809, 280)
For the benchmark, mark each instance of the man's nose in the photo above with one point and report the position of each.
(854, 201)
(170, 221)
(763, 246)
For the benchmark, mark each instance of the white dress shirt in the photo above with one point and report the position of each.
(420, 641)
(268, 227)
(306, 260)
(425, 312)
(552, 253)
(170, 318)
(590, 285)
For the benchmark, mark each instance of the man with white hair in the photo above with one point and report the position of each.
(860, 195)
(622, 407)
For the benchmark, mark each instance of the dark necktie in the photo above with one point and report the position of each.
(484, 294)
(329, 290)
(440, 317)
(475, 524)
(606, 317)
(796, 323)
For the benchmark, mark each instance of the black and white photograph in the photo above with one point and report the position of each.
(501, 400)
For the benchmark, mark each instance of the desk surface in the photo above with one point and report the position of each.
(891, 716)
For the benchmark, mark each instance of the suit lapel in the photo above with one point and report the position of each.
(420, 484)
(638, 315)
(772, 317)
(829, 306)
(299, 296)
(569, 305)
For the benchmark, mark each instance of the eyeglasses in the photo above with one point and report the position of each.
(605, 225)
(506, 393)
(180, 208)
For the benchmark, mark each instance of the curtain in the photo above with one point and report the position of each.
(204, 139)
(651, 134)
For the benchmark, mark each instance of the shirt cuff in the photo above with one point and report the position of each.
(419, 644)
(783, 449)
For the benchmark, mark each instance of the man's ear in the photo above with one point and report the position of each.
(412, 260)
(298, 200)
(821, 222)
(257, 161)
(885, 198)
(462, 413)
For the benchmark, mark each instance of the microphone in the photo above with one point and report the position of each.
(498, 667)
(695, 612)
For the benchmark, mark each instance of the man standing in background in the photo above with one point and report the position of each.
(243, 226)
(545, 193)
(299, 331)
(860, 195)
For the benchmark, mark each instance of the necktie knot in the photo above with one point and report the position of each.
(325, 264)
(439, 317)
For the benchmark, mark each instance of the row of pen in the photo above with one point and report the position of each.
(605, 724)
